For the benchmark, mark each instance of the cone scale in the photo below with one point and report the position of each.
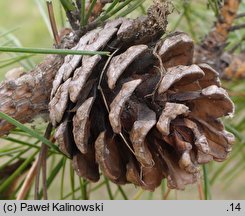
(143, 114)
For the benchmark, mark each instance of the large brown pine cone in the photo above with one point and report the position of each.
(143, 114)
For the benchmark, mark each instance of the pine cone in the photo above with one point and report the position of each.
(143, 114)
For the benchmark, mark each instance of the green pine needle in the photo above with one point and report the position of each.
(63, 180)
(83, 15)
(51, 51)
(18, 156)
(123, 193)
(68, 5)
(206, 183)
(112, 10)
(17, 172)
(131, 8)
(14, 60)
(108, 187)
(22, 143)
(89, 12)
(29, 131)
(72, 180)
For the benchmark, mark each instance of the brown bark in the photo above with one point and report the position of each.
(212, 47)
(28, 96)
(227, 15)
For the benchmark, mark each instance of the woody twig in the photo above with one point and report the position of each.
(212, 48)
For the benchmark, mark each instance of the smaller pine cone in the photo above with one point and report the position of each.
(142, 115)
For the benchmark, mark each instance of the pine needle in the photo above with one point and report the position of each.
(51, 51)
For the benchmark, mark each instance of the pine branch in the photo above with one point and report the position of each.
(222, 27)
(212, 47)
(28, 96)
(237, 27)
